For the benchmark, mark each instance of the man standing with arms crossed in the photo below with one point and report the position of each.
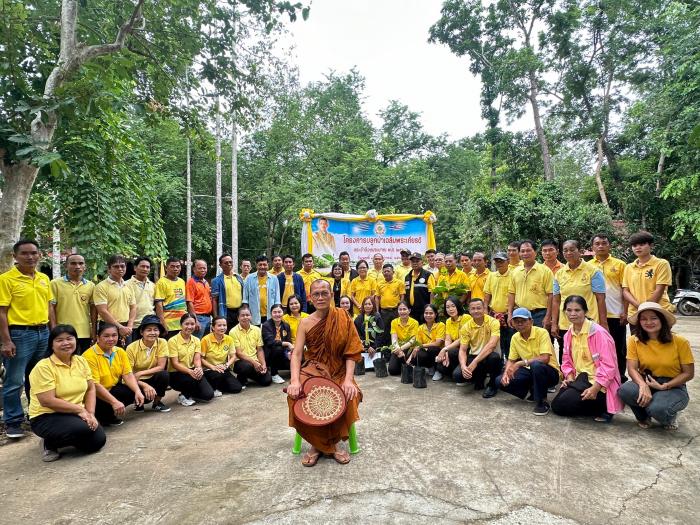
(24, 333)
(73, 303)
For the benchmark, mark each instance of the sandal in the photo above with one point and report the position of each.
(604, 418)
(310, 459)
(342, 457)
(672, 425)
(644, 424)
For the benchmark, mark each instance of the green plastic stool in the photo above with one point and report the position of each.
(352, 442)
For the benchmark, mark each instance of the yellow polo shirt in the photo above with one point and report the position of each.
(377, 275)
(404, 332)
(361, 289)
(497, 285)
(455, 278)
(183, 350)
(401, 271)
(276, 272)
(144, 295)
(476, 336)
(117, 296)
(514, 266)
(107, 371)
(452, 328)
(427, 336)
(143, 358)
(642, 280)
(477, 282)
(390, 292)
(72, 303)
(662, 359)
(309, 277)
(586, 280)
(293, 323)
(537, 344)
(27, 298)
(580, 353)
(247, 341)
(531, 287)
(173, 295)
(70, 383)
(234, 291)
(614, 272)
(554, 268)
(215, 352)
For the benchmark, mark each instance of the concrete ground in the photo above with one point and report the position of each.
(439, 455)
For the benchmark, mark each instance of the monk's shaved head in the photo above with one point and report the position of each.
(320, 282)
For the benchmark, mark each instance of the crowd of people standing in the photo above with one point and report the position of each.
(86, 351)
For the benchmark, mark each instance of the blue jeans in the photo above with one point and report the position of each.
(30, 348)
(204, 325)
(664, 405)
(537, 380)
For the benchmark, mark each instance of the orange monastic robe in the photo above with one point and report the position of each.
(328, 344)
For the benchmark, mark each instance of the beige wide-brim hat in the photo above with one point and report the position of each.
(648, 305)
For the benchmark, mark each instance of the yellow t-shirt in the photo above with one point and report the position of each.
(217, 353)
(641, 281)
(531, 287)
(276, 272)
(27, 298)
(497, 285)
(401, 271)
(578, 282)
(107, 371)
(514, 266)
(309, 277)
(183, 350)
(452, 328)
(72, 303)
(534, 346)
(144, 295)
(361, 289)
(288, 289)
(143, 358)
(404, 332)
(390, 292)
(70, 383)
(477, 282)
(426, 336)
(173, 295)
(262, 292)
(293, 323)
(247, 341)
(117, 296)
(456, 278)
(475, 337)
(662, 359)
(377, 275)
(614, 272)
(234, 291)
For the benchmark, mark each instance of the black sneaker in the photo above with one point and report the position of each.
(138, 408)
(489, 392)
(14, 431)
(160, 407)
(116, 422)
(542, 409)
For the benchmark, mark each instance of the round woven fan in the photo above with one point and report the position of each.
(322, 402)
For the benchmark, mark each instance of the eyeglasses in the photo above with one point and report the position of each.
(317, 295)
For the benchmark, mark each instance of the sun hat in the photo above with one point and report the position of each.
(152, 320)
(648, 305)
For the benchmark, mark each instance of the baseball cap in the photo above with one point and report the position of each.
(522, 313)
(500, 255)
(405, 252)
(416, 255)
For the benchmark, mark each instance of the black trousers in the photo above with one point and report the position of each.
(245, 371)
(619, 335)
(491, 365)
(388, 315)
(568, 403)
(159, 381)
(395, 363)
(224, 382)
(276, 358)
(231, 317)
(104, 411)
(453, 356)
(425, 357)
(191, 387)
(67, 430)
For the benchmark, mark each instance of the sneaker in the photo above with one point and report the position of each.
(463, 383)
(243, 387)
(489, 392)
(160, 407)
(14, 431)
(552, 389)
(116, 422)
(437, 376)
(48, 455)
(218, 393)
(542, 409)
(277, 379)
(185, 401)
(138, 408)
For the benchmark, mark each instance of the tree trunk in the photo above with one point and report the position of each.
(598, 168)
(234, 190)
(539, 129)
(19, 179)
(219, 216)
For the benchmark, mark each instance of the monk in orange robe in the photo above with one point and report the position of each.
(332, 349)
